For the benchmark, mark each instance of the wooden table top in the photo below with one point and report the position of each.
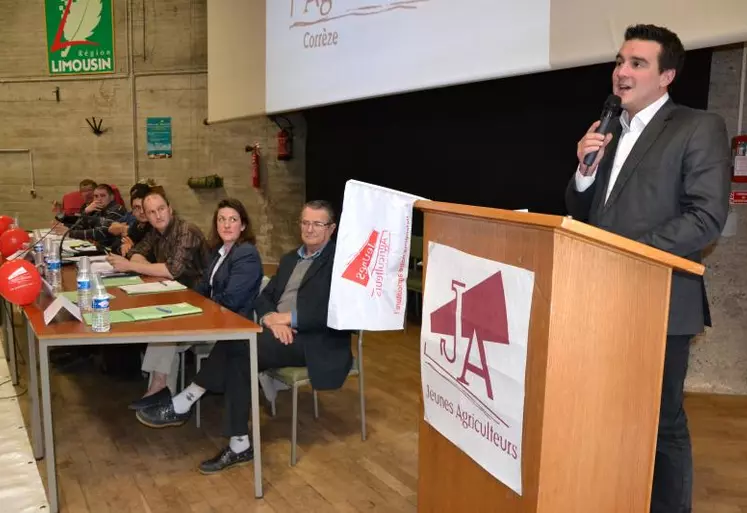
(213, 320)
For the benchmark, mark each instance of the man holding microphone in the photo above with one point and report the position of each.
(661, 176)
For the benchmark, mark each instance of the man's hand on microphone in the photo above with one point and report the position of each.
(591, 142)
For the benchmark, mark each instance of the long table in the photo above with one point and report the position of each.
(215, 323)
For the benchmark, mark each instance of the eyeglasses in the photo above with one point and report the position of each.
(230, 219)
(317, 225)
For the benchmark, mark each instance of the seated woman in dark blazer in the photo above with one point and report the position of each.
(232, 280)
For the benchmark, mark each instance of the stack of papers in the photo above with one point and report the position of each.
(155, 287)
(147, 313)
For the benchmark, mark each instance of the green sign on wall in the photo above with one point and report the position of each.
(80, 36)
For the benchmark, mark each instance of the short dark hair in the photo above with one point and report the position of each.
(140, 189)
(154, 192)
(138, 194)
(672, 54)
(246, 235)
(321, 205)
(106, 187)
(87, 183)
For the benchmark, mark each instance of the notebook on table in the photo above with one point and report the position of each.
(148, 313)
(155, 287)
(73, 295)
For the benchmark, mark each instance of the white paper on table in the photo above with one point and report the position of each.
(102, 267)
(153, 287)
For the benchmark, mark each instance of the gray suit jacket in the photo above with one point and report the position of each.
(672, 193)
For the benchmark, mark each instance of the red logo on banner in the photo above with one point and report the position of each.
(738, 197)
(358, 270)
(477, 314)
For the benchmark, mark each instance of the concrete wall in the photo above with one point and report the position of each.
(170, 58)
(718, 360)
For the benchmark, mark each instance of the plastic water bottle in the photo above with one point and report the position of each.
(38, 251)
(85, 292)
(101, 320)
(54, 267)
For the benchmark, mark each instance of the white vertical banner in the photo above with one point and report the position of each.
(369, 279)
(473, 357)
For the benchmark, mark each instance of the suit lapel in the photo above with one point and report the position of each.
(641, 147)
(317, 264)
(605, 167)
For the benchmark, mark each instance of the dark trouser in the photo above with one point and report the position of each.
(673, 468)
(226, 371)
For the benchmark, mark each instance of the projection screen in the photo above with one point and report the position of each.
(275, 56)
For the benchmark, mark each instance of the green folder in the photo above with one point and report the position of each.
(73, 295)
(161, 311)
(115, 317)
(122, 280)
(147, 313)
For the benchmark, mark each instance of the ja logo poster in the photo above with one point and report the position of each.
(474, 339)
(80, 36)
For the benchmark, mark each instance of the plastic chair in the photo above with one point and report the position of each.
(296, 377)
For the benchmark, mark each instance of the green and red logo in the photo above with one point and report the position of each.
(80, 36)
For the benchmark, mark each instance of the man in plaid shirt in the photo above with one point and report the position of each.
(174, 249)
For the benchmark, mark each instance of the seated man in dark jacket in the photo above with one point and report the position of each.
(293, 307)
(97, 215)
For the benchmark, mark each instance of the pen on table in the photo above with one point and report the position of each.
(164, 310)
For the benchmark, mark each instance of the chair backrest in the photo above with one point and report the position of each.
(117, 195)
(72, 202)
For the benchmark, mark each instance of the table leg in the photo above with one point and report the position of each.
(254, 376)
(5, 329)
(48, 428)
(11, 345)
(37, 441)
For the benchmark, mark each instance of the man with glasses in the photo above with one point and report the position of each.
(132, 228)
(293, 308)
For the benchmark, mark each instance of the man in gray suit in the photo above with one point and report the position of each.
(661, 177)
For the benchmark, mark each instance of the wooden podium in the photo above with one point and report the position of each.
(594, 366)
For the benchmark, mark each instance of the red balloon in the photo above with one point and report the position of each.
(20, 282)
(13, 240)
(5, 222)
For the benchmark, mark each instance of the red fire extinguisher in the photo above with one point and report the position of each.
(739, 158)
(255, 166)
(285, 144)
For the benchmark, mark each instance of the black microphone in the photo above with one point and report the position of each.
(62, 239)
(609, 111)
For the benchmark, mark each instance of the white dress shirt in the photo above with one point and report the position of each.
(222, 251)
(631, 131)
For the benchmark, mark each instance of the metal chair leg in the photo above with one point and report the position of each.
(181, 370)
(198, 364)
(361, 389)
(294, 428)
(316, 406)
